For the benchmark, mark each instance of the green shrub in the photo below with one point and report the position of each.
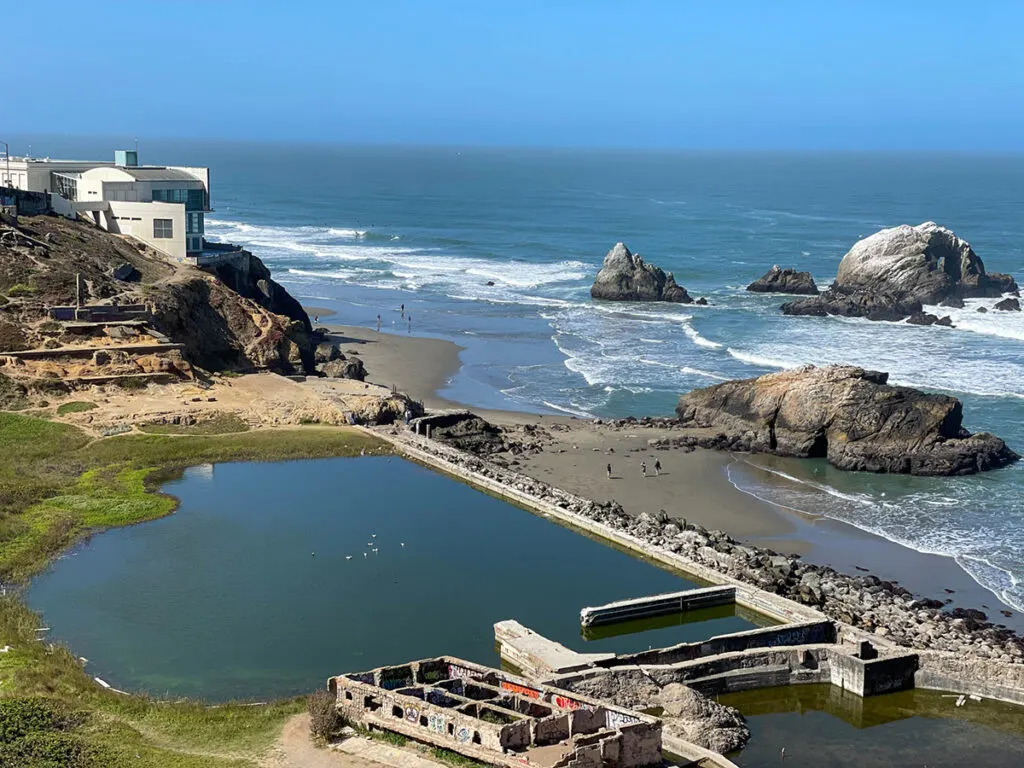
(323, 716)
(75, 406)
(20, 289)
(21, 716)
(132, 384)
(49, 750)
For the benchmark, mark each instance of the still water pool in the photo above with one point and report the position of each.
(271, 577)
(820, 725)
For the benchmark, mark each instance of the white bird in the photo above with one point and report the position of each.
(403, 543)
(348, 557)
(373, 535)
(364, 554)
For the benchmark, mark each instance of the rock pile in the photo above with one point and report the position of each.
(882, 607)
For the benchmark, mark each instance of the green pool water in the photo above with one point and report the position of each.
(265, 581)
(821, 725)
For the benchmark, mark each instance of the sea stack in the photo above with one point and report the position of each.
(848, 415)
(625, 276)
(892, 273)
(788, 280)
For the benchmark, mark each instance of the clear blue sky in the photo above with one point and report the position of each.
(767, 74)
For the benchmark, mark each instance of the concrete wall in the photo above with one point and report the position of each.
(138, 219)
(943, 671)
(806, 633)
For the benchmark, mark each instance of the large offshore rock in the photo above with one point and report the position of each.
(624, 276)
(889, 275)
(788, 280)
(848, 415)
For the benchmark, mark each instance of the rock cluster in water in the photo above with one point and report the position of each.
(892, 273)
(788, 280)
(882, 607)
(624, 276)
(848, 415)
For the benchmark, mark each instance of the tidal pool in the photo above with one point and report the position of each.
(271, 577)
(821, 725)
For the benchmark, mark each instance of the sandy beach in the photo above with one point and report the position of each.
(692, 485)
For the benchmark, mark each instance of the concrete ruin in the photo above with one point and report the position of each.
(496, 717)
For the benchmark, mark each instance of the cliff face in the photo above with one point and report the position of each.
(222, 330)
(235, 318)
(848, 415)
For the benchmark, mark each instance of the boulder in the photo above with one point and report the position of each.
(788, 280)
(848, 415)
(344, 368)
(464, 430)
(325, 352)
(982, 310)
(954, 302)
(1008, 305)
(923, 318)
(889, 275)
(126, 272)
(624, 276)
(702, 721)
(945, 321)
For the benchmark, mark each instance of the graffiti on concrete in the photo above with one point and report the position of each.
(618, 719)
(462, 734)
(436, 723)
(465, 673)
(412, 714)
(564, 702)
(522, 690)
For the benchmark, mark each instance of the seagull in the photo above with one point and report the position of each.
(312, 554)
(373, 535)
(364, 554)
(348, 557)
(403, 543)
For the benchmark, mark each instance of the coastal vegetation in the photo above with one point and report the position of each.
(57, 484)
(75, 406)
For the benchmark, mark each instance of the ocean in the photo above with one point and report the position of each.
(496, 249)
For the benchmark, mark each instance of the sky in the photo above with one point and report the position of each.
(771, 74)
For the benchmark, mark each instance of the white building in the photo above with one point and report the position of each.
(162, 206)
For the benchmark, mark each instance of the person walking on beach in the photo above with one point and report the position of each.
(657, 467)
(403, 310)
(410, 323)
(643, 468)
(378, 323)
(609, 471)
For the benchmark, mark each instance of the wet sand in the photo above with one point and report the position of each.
(693, 485)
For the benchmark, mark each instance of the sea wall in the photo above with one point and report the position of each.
(780, 585)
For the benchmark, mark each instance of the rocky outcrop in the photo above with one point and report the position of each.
(788, 280)
(927, 318)
(702, 721)
(1008, 305)
(222, 330)
(464, 430)
(248, 276)
(624, 276)
(848, 415)
(892, 273)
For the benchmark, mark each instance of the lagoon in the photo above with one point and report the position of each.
(265, 581)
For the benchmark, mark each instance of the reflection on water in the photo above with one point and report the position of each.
(271, 577)
(821, 725)
(660, 631)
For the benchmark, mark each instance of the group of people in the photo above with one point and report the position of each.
(643, 468)
(407, 317)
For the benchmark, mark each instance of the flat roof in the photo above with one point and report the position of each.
(152, 173)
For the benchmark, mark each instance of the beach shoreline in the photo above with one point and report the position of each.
(694, 485)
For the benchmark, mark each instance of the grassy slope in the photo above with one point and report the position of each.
(57, 484)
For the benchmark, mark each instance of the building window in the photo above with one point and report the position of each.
(194, 223)
(163, 228)
(196, 200)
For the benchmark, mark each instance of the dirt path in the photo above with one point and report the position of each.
(295, 749)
